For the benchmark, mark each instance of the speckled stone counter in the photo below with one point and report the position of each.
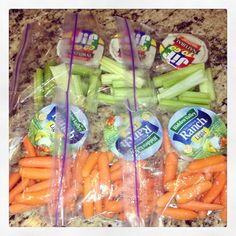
(210, 25)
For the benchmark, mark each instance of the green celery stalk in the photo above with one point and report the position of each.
(194, 94)
(60, 74)
(119, 84)
(114, 67)
(177, 74)
(91, 100)
(49, 81)
(170, 82)
(195, 100)
(107, 79)
(83, 70)
(128, 92)
(208, 86)
(76, 90)
(173, 105)
(84, 86)
(189, 82)
(108, 99)
(38, 89)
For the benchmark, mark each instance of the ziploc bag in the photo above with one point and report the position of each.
(134, 134)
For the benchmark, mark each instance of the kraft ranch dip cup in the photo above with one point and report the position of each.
(147, 134)
(197, 133)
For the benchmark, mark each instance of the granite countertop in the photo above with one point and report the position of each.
(208, 24)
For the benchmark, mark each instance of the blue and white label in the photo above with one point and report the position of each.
(197, 132)
(147, 135)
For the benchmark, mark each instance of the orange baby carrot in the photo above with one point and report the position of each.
(114, 206)
(217, 187)
(166, 141)
(88, 203)
(122, 216)
(223, 196)
(35, 173)
(210, 169)
(208, 176)
(18, 189)
(45, 184)
(104, 174)
(30, 149)
(192, 192)
(81, 159)
(110, 156)
(170, 168)
(34, 198)
(14, 178)
(223, 215)
(72, 193)
(165, 199)
(209, 161)
(90, 163)
(19, 208)
(184, 182)
(116, 175)
(39, 162)
(202, 214)
(115, 166)
(217, 200)
(200, 206)
(177, 213)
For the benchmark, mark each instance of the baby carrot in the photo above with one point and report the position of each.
(104, 174)
(216, 188)
(14, 178)
(88, 204)
(81, 158)
(165, 199)
(19, 208)
(34, 198)
(184, 182)
(209, 161)
(18, 189)
(166, 141)
(116, 175)
(35, 173)
(110, 156)
(200, 206)
(90, 163)
(114, 206)
(45, 184)
(122, 216)
(223, 215)
(208, 176)
(202, 214)
(30, 149)
(217, 200)
(39, 162)
(223, 196)
(192, 192)
(72, 193)
(115, 166)
(177, 213)
(170, 168)
(210, 169)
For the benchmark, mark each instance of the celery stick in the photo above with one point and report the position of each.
(49, 81)
(76, 90)
(84, 86)
(208, 86)
(198, 100)
(191, 81)
(120, 84)
(128, 92)
(108, 99)
(108, 78)
(193, 94)
(114, 67)
(60, 74)
(83, 70)
(172, 105)
(170, 82)
(177, 74)
(38, 89)
(91, 101)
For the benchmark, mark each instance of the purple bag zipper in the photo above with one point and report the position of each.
(19, 59)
